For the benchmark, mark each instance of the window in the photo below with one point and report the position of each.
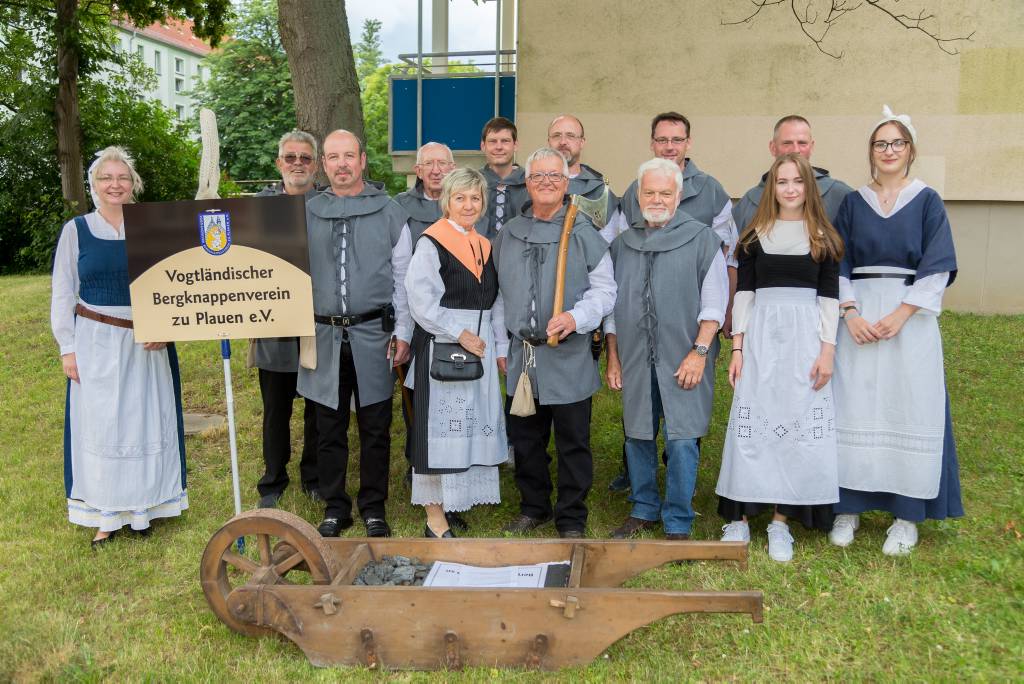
(179, 65)
(179, 85)
(157, 67)
(180, 111)
(199, 73)
(141, 52)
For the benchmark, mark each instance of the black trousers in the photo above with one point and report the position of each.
(529, 437)
(278, 392)
(374, 448)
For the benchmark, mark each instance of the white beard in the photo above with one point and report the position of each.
(656, 215)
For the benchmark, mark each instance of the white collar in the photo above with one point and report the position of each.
(905, 197)
(457, 227)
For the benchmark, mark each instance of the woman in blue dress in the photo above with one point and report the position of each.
(895, 434)
(124, 446)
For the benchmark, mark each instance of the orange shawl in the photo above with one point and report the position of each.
(470, 248)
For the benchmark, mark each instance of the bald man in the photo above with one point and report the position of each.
(792, 134)
(359, 250)
(565, 134)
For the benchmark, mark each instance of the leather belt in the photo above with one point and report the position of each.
(907, 278)
(102, 318)
(348, 320)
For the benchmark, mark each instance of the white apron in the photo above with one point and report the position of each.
(780, 446)
(125, 459)
(467, 420)
(890, 397)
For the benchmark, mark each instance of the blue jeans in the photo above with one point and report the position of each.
(676, 511)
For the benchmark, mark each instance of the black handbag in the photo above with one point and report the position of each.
(451, 362)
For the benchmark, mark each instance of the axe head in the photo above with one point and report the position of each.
(596, 209)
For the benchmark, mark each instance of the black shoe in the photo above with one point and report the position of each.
(677, 536)
(570, 534)
(377, 527)
(456, 521)
(620, 483)
(522, 524)
(632, 527)
(100, 543)
(332, 527)
(270, 500)
(430, 534)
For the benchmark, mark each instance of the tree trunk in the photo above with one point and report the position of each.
(315, 36)
(68, 128)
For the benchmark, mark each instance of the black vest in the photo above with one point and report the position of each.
(461, 288)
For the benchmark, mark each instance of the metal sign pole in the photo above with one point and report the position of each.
(225, 352)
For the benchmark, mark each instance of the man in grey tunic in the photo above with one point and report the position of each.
(662, 344)
(703, 198)
(506, 184)
(565, 377)
(277, 358)
(792, 134)
(359, 250)
(434, 161)
(565, 134)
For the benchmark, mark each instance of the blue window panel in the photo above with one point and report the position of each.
(455, 110)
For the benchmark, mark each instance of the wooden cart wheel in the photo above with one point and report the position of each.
(299, 551)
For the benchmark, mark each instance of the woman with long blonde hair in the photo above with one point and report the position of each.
(780, 448)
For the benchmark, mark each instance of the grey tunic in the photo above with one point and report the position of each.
(525, 254)
(661, 272)
(371, 225)
(515, 197)
(832, 193)
(590, 184)
(703, 197)
(278, 354)
(423, 212)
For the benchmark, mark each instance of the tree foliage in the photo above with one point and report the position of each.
(250, 91)
(113, 112)
(367, 51)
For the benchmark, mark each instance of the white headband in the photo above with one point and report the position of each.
(904, 119)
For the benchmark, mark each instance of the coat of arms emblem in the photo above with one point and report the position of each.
(215, 231)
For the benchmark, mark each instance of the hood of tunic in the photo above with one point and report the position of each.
(539, 231)
(679, 230)
(517, 177)
(370, 200)
(418, 205)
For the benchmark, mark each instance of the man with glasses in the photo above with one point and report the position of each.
(563, 377)
(792, 134)
(565, 134)
(434, 161)
(277, 358)
(506, 185)
(662, 344)
(359, 250)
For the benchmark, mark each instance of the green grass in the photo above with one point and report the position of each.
(954, 609)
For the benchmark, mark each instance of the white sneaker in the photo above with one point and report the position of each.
(843, 528)
(902, 537)
(780, 542)
(737, 530)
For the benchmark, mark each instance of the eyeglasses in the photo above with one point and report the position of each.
(552, 176)
(896, 145)
(110, 179)
(436, 164)
(568, 137)
(674, 141)
(291, 158)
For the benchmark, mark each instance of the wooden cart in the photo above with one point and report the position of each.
(301, 587)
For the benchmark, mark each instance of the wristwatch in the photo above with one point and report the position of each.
(701, 349)
(845, 311)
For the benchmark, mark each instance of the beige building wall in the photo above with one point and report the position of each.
(615, 64)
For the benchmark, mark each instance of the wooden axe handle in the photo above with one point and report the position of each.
(563, 254)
